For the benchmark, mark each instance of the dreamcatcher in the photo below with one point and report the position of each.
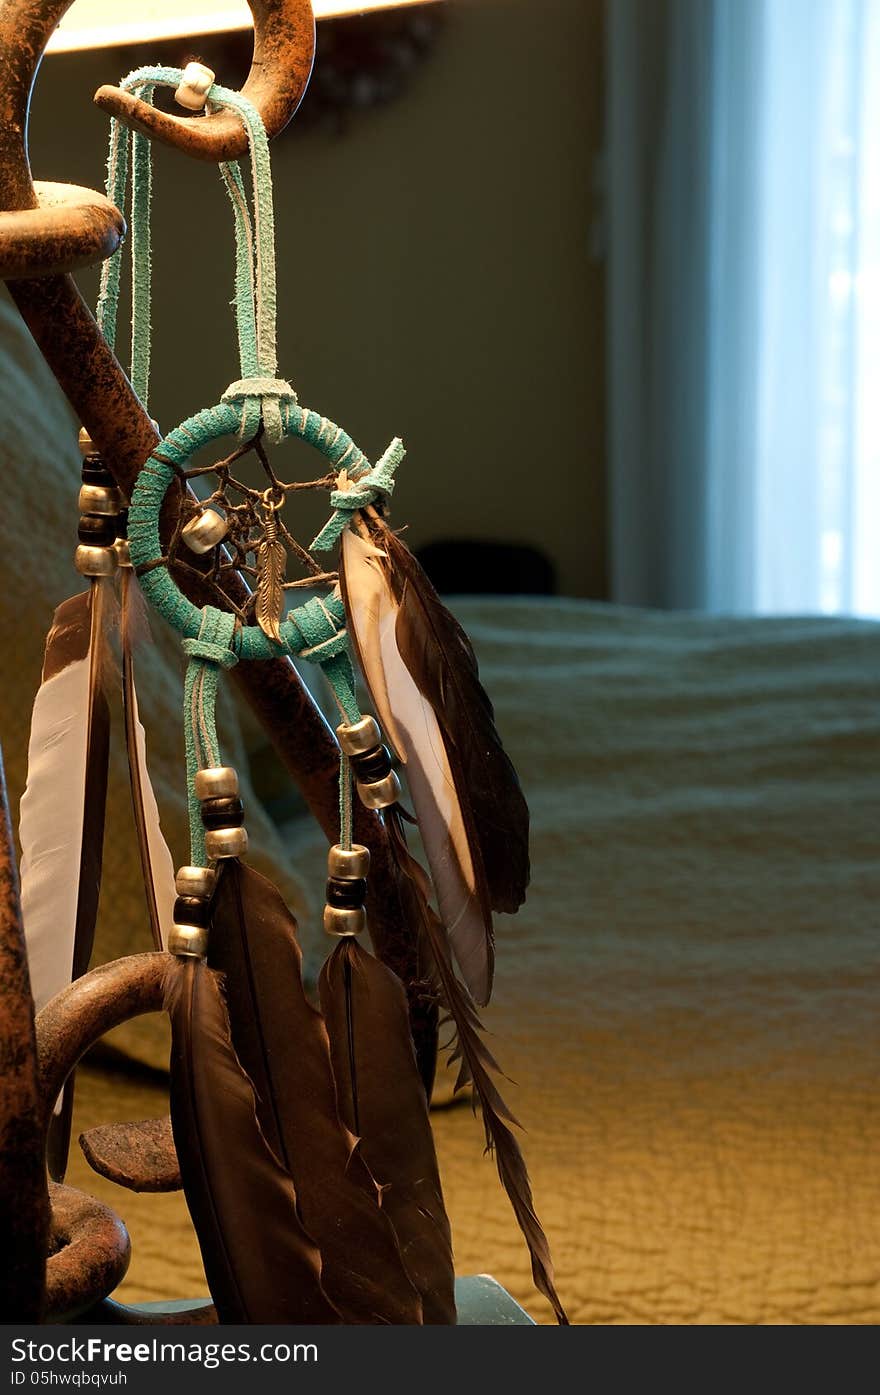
(308, 1129)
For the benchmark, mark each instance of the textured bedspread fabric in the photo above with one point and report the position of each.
(689, 999)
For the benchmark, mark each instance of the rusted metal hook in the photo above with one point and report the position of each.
(76, 227)
(284, 50)
(71, 227)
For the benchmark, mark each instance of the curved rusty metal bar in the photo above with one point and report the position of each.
(24, 1202)
(90, 1254)
(92, 1244)
(80, 1015)
(72, 227)
(284, 51)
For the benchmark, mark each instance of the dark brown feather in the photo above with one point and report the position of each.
(412, 727)
(424, 684)
(440, 658)
(78, 631)
(476, 1066)
(261, 1265)
(382, 1100)
(282, 1043)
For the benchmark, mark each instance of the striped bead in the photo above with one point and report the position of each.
(347, 893)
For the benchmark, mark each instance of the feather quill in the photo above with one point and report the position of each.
(282, 1043)
(261, 1264)
(157, 866)
(382, 1100)
(476, 1066)
(62, 815)
(424, 682)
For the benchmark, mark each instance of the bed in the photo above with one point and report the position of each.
(688, 1000)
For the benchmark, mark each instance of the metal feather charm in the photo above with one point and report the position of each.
(271, 562)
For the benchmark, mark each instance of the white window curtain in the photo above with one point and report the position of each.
(744, 173)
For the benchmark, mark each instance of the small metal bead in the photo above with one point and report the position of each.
(190, 910)
(357, 737)
(195, 881)
(95, 531)
(195, 85)
(372, 766)
(341, 922)
(95, 561)
(205, 531)
(381, 793)
(123, 552)
(188, 941)
(101, 499)
(226, 842)
(349, 893)
(348, 862)
(216, 782)
(222, 813)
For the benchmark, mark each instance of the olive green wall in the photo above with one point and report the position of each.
(435, 274)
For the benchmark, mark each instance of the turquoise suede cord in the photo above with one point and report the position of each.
(264, 396)
(370, 487)
(211, 651)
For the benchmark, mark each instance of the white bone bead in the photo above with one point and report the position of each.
(341, 923)
(204, 530)
(195, 881)
(216, 782)
(195, 86)
(95, 561)
(188, 941)
(226, 842)
(101, 499)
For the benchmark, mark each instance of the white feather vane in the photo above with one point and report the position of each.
(62, 808)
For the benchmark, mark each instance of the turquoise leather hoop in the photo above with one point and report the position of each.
(308, 630)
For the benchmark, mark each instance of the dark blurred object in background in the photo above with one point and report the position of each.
(477, 567)
(361, 62)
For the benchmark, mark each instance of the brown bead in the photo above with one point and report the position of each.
(190, 910)
(348, 894)
(225, 812)
(372, 765)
